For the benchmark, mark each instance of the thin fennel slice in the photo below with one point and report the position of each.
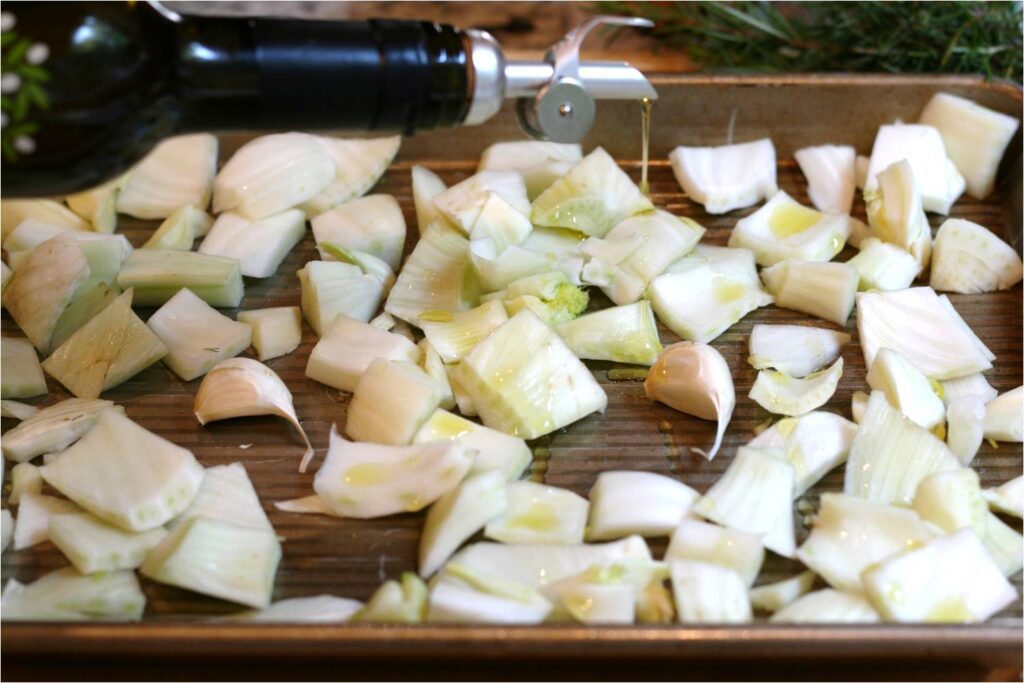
(772, 597)
(814, 444)
(535, 513)
(126, 475)
(347, 348)
(624, 503)
(227, 495)
(796, 350)
(358, 165)
(624, 334)
(785, 229)
(709, 593)
(373, 224)
(457, 515)
(93, 546)
(969, 259)
(779, 393)
(22, 374)
(828, 606)
(891, 454)
(392, 400)
(726, 177)
(314, 609)
(830, 172)
(178, 172)
(738, 550)
(495, 450)
(592, 197)
(540, 163)
(53, 428)
(519, 362)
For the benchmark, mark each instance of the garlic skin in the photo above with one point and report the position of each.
(694, 379)
(241, 387)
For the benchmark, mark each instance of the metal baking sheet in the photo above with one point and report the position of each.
(352, 557)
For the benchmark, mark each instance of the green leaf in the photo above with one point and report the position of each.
(8, 38)
(26, 128)
(22, 102)
(8, 148)
(13, 58)
(38, 95)
(35, 73)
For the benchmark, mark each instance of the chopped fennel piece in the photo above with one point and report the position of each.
(347, 348)
(392, 400)
(1007, 498)
(592, 197)
(922, 148)
(495, 450)
(307, 505)
(828, 606)
(825, 290)
(923, 329)
(463, 401)
(525, 381)
(461, 595)
(437, 276)
(365, 480)
(111, 348)
(709, 593)
(126, 475)
(623, 503)
(425, 186)
(884, 266)
(259, 246)
(179, 230)
(974, 136)
(1004, 544)
(726, 177)
(331, 289)
(895, 214)
(814, 444)
(42, 287)
(34, 514)
(367, 263)
(662, 239)
(66, 595)
(93, 546)
(831, 176)
(372, 224)
(463, 203)
(87, 303)
(859, 231)
(315, 609)
(504, 224)
(702, 295)
(965, 427)
(453, 335)
(496, 271)
(779, 393)
(196, 335)
(22, 375)
(103, 253)
(430, 362)
(158, 274)
(785, 229)
(25, 478)
(398, 603)
(891, 454)
(242, 387)
(540, 565)
(755, 495)
(906, 387)
(1004, 417)
(16, 410)
(540, 163)
(459, 514)
(969, 258)
(219, 559)
(539, 514)
(694, 378)
(949, 579)
(737, 550)
(796, 350)
(226, 495)
(550, 296)
(276, 331)
(968, 385)
(178, 172)
(624, 334)
(850, 534)
(271, 174)
(600, 595)
(358, 165)
(13, 212)
(772, 597)
(6, 529)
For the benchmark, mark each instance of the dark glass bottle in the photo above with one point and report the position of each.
(90, 87)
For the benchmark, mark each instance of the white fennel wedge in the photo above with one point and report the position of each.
(785, 229)
(535, 513)
(178, 172)
(623, 503)
(726, 177)
(831, 176)
(358, 165)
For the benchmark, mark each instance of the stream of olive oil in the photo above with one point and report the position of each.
(645, 136)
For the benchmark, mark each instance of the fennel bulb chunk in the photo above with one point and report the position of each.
(457, 515)
(398, 603)
(779, 393)
(709, 593)
(785, 229)
(814, 444)
(895, 213)
(276, 331)
(158, 274)
(623, 334)
(922, 148)
(315, 609)
(66, 595)
(906, 387)
(258, 246)
(540, 163)
(34, 514)
(358, 165)
(726, 177)
(178, 172)
(227, 495)
(772, 597)
(93, 546)
(126, 475)
(25, 478)
(462, 204)
(16, 211)
(392, 400)
(540, 514)
(453, 335)
(831, 176)
(1007, 498)
(592, 197)
(1004, 417)
(891, 454)
(495, 450)
(828, 607)
(365, 480)
(461, 595)
(884, 266)
(794, 349)
(348, 347)
(330, 289)
(197, 336)
(624, 503)
(22, 375)
(525, 381)
(372, 224)
(219, 559)
(825, 290)
(969, 259)
(425, 186)
(180, 229)
(737, 550)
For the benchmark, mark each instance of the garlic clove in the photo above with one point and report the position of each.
(694, 379)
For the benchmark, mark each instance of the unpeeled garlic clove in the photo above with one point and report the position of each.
(241, 387)
(694, 379)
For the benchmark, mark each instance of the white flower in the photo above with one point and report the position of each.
(7, 21)
(37, 54)
(9, 83)
(24, 144)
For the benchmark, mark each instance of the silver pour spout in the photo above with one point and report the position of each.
(555, 96)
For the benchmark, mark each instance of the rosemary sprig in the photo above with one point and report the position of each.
(896, 37)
